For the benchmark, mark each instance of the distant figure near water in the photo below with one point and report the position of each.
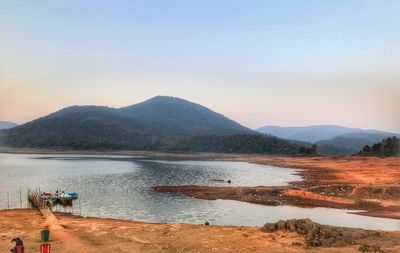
(229, 181)
(19, 245)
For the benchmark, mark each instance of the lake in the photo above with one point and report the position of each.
(122, 187)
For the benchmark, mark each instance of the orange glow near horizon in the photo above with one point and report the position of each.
(267, 63)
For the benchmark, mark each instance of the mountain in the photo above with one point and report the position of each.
(160, 123)
(7, 124)
(307, 133)
(175, 116)
(348, 144)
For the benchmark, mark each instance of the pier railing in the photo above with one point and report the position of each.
(26, 197)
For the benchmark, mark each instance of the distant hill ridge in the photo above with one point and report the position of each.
(330, 139)
(308, 133)
(160, 123)
(7, 124)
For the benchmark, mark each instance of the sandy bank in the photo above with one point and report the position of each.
(109, 235)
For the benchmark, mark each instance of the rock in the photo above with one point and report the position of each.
(281, 225)
(320, 235)
(291, 225)
(269, 227)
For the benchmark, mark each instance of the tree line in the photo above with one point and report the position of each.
(387, 147)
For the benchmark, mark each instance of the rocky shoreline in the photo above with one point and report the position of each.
(317, 235)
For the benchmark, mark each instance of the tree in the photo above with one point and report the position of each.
(312, 150)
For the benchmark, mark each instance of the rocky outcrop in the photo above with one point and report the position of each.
(320, 235)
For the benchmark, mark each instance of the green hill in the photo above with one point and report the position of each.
(160, 123)
(175, 116)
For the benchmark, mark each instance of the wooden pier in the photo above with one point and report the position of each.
(42, 205)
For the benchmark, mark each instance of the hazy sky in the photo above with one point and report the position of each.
(258, 62)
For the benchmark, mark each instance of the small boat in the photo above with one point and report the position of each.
(64, 199)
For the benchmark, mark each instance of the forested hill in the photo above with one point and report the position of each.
(175, 116)
(160, 123)
(387, 147)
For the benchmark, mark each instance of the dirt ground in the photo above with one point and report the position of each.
(72, 234)
(338, 170)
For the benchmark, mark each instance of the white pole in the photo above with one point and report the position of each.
(20, 197)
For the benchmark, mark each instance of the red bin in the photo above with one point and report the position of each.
(45, 248)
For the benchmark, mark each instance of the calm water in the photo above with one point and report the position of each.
(122, 187)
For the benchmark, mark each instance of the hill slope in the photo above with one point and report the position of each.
(78, 127)
(160, 123)
(175, 116)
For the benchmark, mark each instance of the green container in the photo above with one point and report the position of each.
(44, 235)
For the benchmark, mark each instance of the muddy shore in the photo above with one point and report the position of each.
(368, 184)
(273, 196)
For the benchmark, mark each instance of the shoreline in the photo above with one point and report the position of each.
(369, 185)
(71, 234)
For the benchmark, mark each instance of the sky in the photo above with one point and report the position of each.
(280, 62)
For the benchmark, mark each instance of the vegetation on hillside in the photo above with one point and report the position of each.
(236, 143)
(348, 144)
(387, 147)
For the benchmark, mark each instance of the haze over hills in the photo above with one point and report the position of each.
(160, 123)
(348, 144)
(330, 139)
(7, 124)
(308, 133)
